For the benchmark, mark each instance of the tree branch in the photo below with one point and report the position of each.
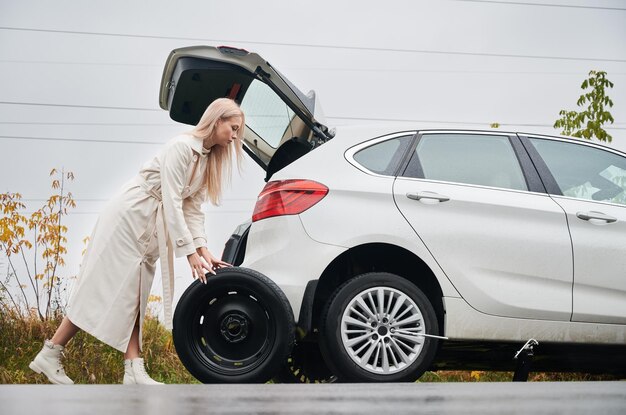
(58, 241)
(30, 278)
(35, 267)
(17, 307)
(17, 278)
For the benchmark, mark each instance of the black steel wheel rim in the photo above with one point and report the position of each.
(233, 332)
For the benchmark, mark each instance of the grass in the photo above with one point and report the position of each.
(88, 360)
(482, 376)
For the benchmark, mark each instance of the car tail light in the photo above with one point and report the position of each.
(287, 197)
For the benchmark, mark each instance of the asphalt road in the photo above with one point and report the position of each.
(383, 399)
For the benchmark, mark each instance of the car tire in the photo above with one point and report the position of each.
(236, 328)
(305, 365)
(361, 342)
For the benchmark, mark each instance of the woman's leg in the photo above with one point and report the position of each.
(65, 332)
(132, 352)
(134, 369)
(48, 360)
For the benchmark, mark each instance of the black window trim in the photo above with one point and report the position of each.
(419, 173)
(541, 167)
(533, 179)
(410, 151)
(405, 157)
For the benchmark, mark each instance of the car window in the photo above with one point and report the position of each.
(584, 172)
(384, 157)
(266, 114)
(486, 160)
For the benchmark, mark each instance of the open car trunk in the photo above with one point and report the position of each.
(280, 120)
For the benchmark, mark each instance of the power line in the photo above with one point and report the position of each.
(97, 213)
(444, 71)
(235, 199)
(86, 140)
(360, 69)
(76, 200)
(79, 106)
(329, 117)
(78, 63)
(115, 124)
(414, 120)
(451, 122)
(521, 3)
(147, 109)
(323, 46)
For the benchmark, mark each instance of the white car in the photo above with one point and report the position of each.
(382, 244)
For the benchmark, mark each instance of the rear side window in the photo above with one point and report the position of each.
(384, 157)
(584, 172)
(486, 160)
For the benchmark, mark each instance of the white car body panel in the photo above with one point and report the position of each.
(365, 225)
(375, 202)
(507, 252)
(280, 248)
(599, 297)
(465, 323)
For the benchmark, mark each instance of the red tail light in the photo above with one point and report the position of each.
(287, 197)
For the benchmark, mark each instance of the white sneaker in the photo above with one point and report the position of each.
(135, 373)
(48, 362)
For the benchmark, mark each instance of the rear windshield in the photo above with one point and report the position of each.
(266, 114)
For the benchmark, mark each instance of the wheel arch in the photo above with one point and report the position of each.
(375, 257)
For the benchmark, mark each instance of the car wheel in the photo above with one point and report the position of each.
(372, 327)
(305, 365)
(236, 328)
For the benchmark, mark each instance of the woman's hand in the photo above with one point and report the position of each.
(211, 260)
(198, 267)
(202, 260)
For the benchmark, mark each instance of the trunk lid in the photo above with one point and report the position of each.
(280, 119)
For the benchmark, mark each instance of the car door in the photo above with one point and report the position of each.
(589, 183)
(500, 239)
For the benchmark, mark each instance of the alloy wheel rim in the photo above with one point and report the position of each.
(380, 330)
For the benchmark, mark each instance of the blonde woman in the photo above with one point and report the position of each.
(157, 215)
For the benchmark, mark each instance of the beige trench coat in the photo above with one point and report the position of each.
(156, 215)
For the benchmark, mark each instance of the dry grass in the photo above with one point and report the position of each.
(482, 376)
(87, 360)
(90, 361)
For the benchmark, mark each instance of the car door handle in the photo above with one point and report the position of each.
(596, 215)
(428, 196)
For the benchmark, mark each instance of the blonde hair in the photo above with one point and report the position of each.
(220, 158)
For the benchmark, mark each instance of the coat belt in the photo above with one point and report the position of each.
(166, 255)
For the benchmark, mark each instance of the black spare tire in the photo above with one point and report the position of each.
(236, 328)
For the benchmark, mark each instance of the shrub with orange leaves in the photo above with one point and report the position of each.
(41, 281)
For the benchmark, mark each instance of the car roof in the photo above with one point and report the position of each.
(355, 134)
